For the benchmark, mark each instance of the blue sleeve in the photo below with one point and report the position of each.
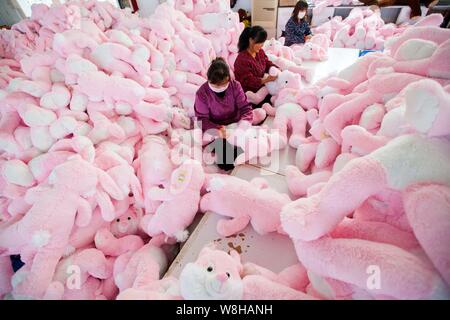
(307, 29)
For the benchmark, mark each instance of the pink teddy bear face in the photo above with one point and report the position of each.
(215, 275)
(127, 224)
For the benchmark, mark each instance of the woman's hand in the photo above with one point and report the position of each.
(269, 78)
(308, 37)
(223, 132)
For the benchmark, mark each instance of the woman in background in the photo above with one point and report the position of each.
(297, 28)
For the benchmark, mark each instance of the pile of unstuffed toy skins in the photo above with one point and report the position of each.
(362, 28)
(99, 178)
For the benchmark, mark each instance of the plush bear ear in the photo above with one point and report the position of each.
(181, 178)
(210, 247)
(109, 185)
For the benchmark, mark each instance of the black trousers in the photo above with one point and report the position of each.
(225, 153)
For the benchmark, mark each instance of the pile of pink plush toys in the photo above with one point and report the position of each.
(96, 156)
(362, 28)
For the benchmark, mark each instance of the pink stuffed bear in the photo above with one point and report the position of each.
(216, 275)
(169, 218)
(32, 236)
(153, 166)
(380, 89)
(429, 63)
(237, 198)
(286, 79)
(293, 116)
(304, 218)
(139, 268)
(85, 263)
(314, 49)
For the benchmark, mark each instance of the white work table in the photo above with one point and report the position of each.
(272, 251)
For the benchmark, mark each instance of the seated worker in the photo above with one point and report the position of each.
(252, 65)
(218, 103)
(297, 29)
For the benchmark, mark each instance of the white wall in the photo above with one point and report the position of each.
(26, 5)
(243, 4)
(147, 7)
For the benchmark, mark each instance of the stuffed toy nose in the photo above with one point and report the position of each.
(222, 277)
(123, 226)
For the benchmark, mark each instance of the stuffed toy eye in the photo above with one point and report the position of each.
(129, 218)
(118, 220)
(228, 275)
(209, 269)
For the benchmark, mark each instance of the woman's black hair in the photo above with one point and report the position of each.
(257, 33)
(301, 5)
(218, 71)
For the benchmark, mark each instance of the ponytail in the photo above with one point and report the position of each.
(256, 33)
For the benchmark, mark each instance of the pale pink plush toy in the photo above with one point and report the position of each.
(139, 268)
(125, 177)
(384, 170)
(291, 115)
(209, 22)
(86, 263)
(322, 152)
(426, 59)
(128, 223)
(373, 238)
(434, 34)
(419, 281)
(112, 246)
(245, 202)
(380, 88)
(83, 237)
(98, 86)
(73, 42)
(186, 60)
(42, 165)
(289, 65)
(186, 144)
(432, 125)
(33, 234)
(216, 275)
(278, 49)
(256, 142)
(169, 218)
(153, 166)
(286, 79)
(119, 60)
(314, 49)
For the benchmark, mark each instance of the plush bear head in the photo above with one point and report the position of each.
(126, 224)
(215, 275)
(286, 79)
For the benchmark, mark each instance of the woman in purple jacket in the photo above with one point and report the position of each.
(219, 103)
